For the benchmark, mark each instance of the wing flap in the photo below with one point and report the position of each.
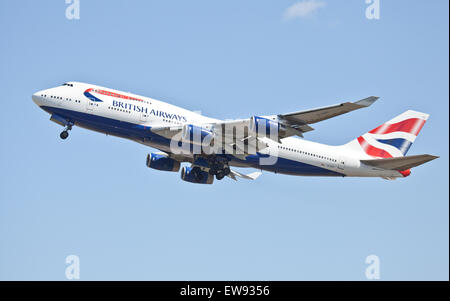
(251, 176)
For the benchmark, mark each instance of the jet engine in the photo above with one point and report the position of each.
(162, 162)
(267, 128)
(196, 175)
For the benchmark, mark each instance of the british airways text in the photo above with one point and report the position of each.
(140, 109)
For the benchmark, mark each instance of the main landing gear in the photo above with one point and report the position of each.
(218, 166)
(221, 173)
(64, 134)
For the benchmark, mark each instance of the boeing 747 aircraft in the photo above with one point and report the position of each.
(213, 146)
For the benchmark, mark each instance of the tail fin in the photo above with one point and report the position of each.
(393, 138)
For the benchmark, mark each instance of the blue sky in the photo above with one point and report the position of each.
(93, 196)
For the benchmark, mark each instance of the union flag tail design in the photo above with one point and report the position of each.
(393, 138)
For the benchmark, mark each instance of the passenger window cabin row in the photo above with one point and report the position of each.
(307, 153)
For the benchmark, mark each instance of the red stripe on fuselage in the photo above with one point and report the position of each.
(412, 126)
(107, 93)
(372, 150)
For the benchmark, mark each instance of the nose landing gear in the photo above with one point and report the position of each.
(64, 134)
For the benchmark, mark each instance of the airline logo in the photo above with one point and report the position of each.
(395, 137)
(89, 93)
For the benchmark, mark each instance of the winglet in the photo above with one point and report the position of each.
(366, 101)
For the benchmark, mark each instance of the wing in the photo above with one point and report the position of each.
(297, 123)
(293, 124)
(301, 120)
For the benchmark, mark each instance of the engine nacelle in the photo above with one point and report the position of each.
(267, 128)
(162, 162)
(195, 134)
(197, 177)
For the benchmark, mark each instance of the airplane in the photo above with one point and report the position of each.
(212, 147)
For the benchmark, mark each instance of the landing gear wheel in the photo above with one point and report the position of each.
(197, 173)
(227, 171)
(64, 135)
(220, 176)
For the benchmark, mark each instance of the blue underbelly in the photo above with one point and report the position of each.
(287, 166)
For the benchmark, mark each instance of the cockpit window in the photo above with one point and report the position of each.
(67, 84)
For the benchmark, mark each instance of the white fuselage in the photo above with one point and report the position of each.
(132, 116)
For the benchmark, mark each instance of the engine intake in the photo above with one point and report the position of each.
(195, 175)
(162, 162)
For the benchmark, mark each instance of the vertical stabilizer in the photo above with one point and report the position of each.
(391, 139)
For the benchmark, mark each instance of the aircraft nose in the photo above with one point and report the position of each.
(37, 98)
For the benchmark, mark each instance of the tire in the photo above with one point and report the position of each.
(220, 176)
(64, 135)
(227, 171)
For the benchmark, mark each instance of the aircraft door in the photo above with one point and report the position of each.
(90, 105)
(143, 117)
(341, 163)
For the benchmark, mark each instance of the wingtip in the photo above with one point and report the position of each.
(367, 101)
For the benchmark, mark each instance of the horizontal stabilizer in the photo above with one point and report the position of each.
(400, 163)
